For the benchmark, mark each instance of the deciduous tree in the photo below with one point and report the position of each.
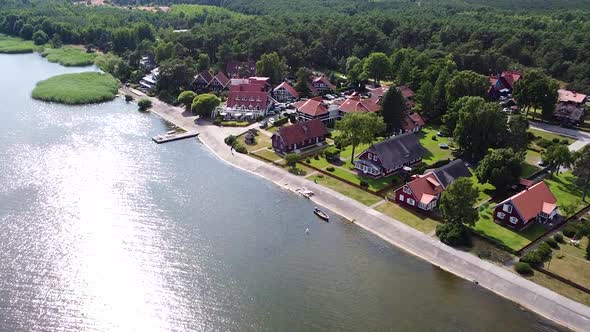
(466, 83)
(557, 155)
(457, 201)
(205, 104)
(535, 89)
(377, 66)
(582, 169)
(358, 128)
(186, 98)
(271, 65)
(501, 168)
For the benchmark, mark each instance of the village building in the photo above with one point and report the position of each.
(502, 85)
(354, 103)
(408, 94)
(412, 123)
(285, 93)
(147, 63)
(150, 80)
(300, 138)
(424, 191)
(390, 155)
(240, 69)
(218, 83)
(320, 85)
(570, 108)
(247, 100)
(536, 203)
(202, 80)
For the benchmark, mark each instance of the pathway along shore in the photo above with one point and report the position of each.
(500, 281)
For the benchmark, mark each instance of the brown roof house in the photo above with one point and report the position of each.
(300, 137)
(570, 107)
(536, 203)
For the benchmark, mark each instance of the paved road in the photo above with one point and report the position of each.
(582, 137)
(539, 299)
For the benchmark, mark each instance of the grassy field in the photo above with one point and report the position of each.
(550, 136)
(345, 189)
(262, 141)
(69, 56)
(561, 288)
(434, 152)
(565, 190)
(485, 189)
(268, 154)
(576, 269)
(76, 89)
(12, 45)
(512, 239)
(421, 223)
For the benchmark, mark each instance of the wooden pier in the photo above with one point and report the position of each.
(166, 137)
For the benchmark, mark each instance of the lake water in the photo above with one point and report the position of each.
(101, 229)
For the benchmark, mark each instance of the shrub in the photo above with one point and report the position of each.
(558, 238)
(544, 143)
(532, 258)
(565, 141)
(434, 138)
(523, 268)
(217, 122)
(531, 136)
(144, 104)
(364, 184)
(555, 140)
(544, 251)
(316, 157)
(280, 122)
(240, 148)
(308, 161)
(332, 153)
(128, 98)
(452, 234)
(570, 230)
(552, 243)
(292, 159)
(330, 169)
(320, 176)
(230, 140)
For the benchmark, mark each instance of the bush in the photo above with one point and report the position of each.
(570, 230)
(316, 157)
(364, 184)
(552, 243)
(452, 234)
(240, 148)
(555, 140)
(544, 251)
(544, 143)
(531, 136)
(558, 238)
(128, 98)
(144, 104)
(217, 122)
(434, 138)
(330, 169)
(565, 141)
(532, 258)
(292, 159)
(230, 140)
(308, 161)
(280, 122)
(320, 176)
(523, 268)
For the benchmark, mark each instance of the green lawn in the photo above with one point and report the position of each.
(528, 170)
(550, 136)
(565, 190)
(347, 152)
(560, 287)
(319, 163)
(76, 89)
(345, 189)
(268, 154)
(512, 239)
(421, 223)
(570, 267)
(434, 152)
(532, 157)
(485, 190)
(13, 45)
(69, 56)
(262, 141)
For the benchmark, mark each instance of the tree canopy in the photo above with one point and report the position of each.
(501, 168)
(457, 201)
(393, 108)
(204, 104)
(358, 128)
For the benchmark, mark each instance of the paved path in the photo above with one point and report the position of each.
(537, 298)
(582, 137)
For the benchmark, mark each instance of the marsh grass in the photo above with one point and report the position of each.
(69, 56)
(76, 89)
(13, 45)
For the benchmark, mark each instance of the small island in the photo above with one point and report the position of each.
(13, 45)
(77, 89)
(69, 56)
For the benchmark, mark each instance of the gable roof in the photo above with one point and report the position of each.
(377, 94)
(233, 68)
(311, 107)
(221, 78)
(323, 79)
(302, 131)
(205, 75)
(532, 201)
(571, 96)
(247, 95)
(397, 150)
(425, 188)
(511, 77)
(406, 91)
(355, 103)
(450, 172)
(289, 89)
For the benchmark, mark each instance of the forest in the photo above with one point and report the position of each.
(325, 34)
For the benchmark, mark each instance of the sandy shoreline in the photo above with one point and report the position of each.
(534, 297)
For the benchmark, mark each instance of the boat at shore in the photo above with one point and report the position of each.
(323, 215)
(304, 192)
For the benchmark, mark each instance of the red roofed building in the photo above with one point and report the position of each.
(408, 94)
(202, 80)
(285, 93)
(300, 136)
(320, 85)
(311, 109)
(412, 123)
(521, 210)
(238, 69)
(503, 84)
(570, 107)
(355, 103)
(567, 96)
(424, 191)
(247, 100)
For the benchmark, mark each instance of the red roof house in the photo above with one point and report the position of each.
(412, 123)
(567, 96)
(310, 109)
(521, 210)
(503, 84)
(355, 103)
(219, 82)
(284, 92)
(320, 85)
(299, 136)
(248, 98)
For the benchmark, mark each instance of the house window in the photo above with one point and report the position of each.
(370, 156)
(411, 202)
(401, 197)
(374, 157)
(407, 190)
(507, 208)
(513, 220)
(501, 215)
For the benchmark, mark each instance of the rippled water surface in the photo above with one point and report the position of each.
(101, 229)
